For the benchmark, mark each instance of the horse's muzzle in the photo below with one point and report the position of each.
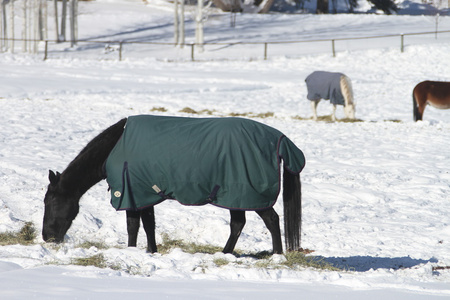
(51, 239)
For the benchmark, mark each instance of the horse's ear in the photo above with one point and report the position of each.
(54, 178)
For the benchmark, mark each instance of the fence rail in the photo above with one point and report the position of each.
(194, 51)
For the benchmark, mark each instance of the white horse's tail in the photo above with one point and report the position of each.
(347, 92)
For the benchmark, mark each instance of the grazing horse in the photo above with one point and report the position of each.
(232, 163)
(435, 93)
(335, 87)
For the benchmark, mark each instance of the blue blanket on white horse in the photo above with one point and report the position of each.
(228, 162)
(325, 85)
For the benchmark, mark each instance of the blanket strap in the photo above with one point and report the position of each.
(213, 194)
(160, 193)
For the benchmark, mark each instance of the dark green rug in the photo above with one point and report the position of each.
(229, 162)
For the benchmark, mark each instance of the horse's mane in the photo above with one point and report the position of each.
(347, 90)
(95, 153)
(110, 132)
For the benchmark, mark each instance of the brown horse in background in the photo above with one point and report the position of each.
(435, 93)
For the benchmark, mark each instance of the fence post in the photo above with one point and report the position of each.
(192, 52)
(46, 49)
(402, 45)
(265, 51)
(333, 49)
(120, 51)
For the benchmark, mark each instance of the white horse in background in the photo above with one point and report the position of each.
(335, 87)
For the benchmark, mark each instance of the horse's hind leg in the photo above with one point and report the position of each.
(148, 220)
(237, 222)
(272, 221)
(133, 223)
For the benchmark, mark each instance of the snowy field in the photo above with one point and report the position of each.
(375, 193)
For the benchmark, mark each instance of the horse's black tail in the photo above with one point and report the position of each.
(416, 112)
(292, 200)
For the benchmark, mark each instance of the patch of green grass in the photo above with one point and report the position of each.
(394, 121)
(25, 236)
(169, 244)
(329, 119)
(295, 259)
(264, 264)
(188, 110)
(89, 244)
(8, 238)
(160, 109)
(348, 120)
(325, 118)
(261, 255)
(207, 249)
(220, 262)
(28, 233)
(206, 112)
(268, 114)
(97, 260)
(245, 114)
(301, 118)
(209, 112)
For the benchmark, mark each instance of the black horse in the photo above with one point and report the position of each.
(88, 168)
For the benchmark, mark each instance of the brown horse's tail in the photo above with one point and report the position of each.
(292, 202)
(416, 113)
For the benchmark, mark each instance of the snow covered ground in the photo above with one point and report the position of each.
(375, 193)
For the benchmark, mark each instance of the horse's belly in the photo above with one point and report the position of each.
(439, 105)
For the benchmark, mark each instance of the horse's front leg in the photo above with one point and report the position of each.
(272, 221)
(420, 110)
(314, 104)
(333, 114)
(133, 223)
(148, 220)
(237, 222)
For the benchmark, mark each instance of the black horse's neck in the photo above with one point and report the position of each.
(87, 168)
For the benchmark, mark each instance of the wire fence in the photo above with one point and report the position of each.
(119, 50)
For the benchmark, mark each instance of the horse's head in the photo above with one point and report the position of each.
(61, 207)
(349, 111)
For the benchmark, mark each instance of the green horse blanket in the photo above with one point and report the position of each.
(228, 162)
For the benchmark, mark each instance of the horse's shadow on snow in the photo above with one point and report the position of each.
(365, 263)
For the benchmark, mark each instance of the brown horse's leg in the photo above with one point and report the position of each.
(420, 111)
(133, 223)
(237, 222)
(148, 220)
(420, 94)
(418, 107)
(272, 221)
